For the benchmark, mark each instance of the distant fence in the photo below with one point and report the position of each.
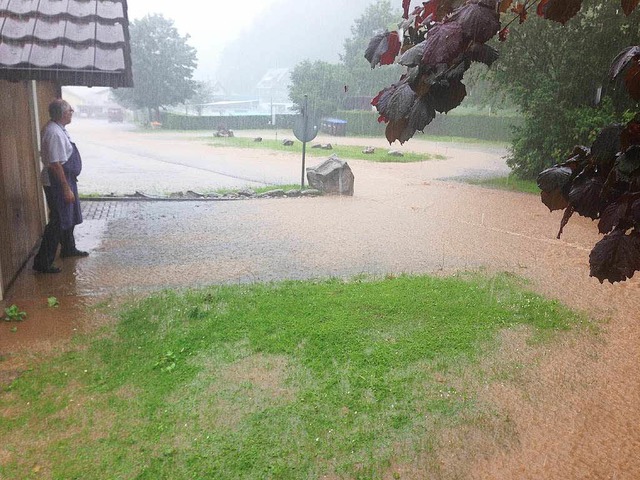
(483, 126)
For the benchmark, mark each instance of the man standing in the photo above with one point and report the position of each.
(62, 165)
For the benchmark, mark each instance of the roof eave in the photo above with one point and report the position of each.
(64, 76)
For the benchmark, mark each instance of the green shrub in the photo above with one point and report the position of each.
(483, 126)
(173, 121)
(550, 131)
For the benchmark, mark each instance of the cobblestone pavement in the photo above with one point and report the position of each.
(103, 210)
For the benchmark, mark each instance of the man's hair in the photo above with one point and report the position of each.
(57, 108)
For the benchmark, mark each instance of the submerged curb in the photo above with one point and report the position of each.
(191, 196)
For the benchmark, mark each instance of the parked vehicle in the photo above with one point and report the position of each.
(115, 115)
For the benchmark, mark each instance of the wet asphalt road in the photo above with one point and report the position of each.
(143, 246)
(121, 159)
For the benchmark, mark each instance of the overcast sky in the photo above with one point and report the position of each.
(210, 23)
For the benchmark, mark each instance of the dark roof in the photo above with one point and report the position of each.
(74, 42)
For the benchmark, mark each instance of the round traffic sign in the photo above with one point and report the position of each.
(305, 134)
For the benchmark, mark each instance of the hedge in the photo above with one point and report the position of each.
(483, 126)
(240, 122)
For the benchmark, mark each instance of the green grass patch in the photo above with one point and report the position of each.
(342, 151)
(289, 380)
(509, 182)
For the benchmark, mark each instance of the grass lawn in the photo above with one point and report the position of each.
(342, 151)
(288, 380)
(510, 182)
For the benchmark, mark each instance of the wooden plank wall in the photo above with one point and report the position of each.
(21, 207)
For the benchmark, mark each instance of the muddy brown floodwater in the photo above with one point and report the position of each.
(576, 410)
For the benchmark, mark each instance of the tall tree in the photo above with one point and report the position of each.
(361, 80)
(322, 82)
(327, 84)
(163, 65)
(202, 93)
(557, 75)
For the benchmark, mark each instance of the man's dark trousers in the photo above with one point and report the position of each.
(53, 236)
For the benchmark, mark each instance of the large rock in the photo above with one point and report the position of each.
(333, 176)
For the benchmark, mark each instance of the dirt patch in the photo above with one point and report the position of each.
(249, 385)
(7, 376)
(268, 373)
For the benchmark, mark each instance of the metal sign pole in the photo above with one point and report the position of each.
(305, 117)
(305, 133)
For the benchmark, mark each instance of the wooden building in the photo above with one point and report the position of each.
(44, 45)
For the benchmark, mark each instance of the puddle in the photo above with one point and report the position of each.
(46, 328)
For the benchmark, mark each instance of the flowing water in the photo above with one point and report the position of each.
(576, 416)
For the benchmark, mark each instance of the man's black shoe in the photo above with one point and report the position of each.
(74, 253)
(49, 269)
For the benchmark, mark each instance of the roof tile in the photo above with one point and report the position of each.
(46, 55)
(79, 9)
(107, 59)
(110, 34)
(14, 54)
(22, 7)
(52, 7)
(48, 31)
(79, 32)
(79, 58)
(18, 28)
(110, 10)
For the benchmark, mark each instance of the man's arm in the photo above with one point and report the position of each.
(56, 170)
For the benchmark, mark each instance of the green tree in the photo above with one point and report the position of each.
(327, 84)
(163, 65)
(557, 76)
(322, 82)
(361, 80)
(202, 93)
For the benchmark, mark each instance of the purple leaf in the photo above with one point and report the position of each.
(443, 44)
(607, 145)
(413, 56)
(554, 199)
(421, 115)
(446, 97)
(612, 216)
(585, 196)
(616, 257)
(628, 164)
(376, 48)
(479, 21)
(479, 52)
(554, 178)
(400, 103)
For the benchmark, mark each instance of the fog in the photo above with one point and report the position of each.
(288, 32)
(237, 45)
